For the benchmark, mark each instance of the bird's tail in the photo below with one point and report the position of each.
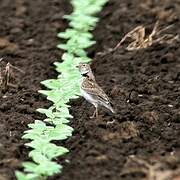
(110, 107)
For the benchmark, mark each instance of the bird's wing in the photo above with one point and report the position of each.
(94, 89)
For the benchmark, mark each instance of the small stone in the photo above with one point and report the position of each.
(170, 105)
(30, 41)
(16, 31)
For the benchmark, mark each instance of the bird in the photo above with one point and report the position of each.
(91, 91)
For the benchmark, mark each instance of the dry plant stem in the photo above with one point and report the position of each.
(16, 68)
(150, 169)
(167, 38)
(147, 169)
(152, 172)
(133, 34)
(139, 40)
(164, 29)
(6, 76)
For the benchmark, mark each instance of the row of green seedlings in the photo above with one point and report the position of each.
(60, 91)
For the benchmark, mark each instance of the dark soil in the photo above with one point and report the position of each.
(28, 41)
(145, 130)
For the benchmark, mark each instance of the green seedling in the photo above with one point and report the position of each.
(89, 7)
(70, 33)
(81, 22)
(41, 134)
(76, 45)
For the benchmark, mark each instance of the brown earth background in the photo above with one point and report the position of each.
(142, 139)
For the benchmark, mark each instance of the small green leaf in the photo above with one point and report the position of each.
(47, 112)
(21, 176)
(51, 83)
(29, 166)
(29, 176)
(46, 168)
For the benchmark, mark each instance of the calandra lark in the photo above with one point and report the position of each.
(91, 91)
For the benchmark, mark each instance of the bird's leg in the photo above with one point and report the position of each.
(95, 113)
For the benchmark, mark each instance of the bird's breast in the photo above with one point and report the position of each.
(87, 96)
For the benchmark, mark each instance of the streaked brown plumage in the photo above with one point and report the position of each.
(91, 91)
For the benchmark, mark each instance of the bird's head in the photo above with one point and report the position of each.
(84, 68)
